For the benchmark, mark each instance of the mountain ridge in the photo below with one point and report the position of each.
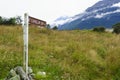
(103, 13)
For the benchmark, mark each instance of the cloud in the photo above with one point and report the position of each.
(47, 10)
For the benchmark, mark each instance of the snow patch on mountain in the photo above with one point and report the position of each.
(108, 13)
(116, 5)
(93, 14)
(104, 10)
(104, 14)
(96, 14)
(83, 19)
(62, 20)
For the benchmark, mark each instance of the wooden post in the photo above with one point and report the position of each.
(25, 33)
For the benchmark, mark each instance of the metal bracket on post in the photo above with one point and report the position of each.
(25, 34)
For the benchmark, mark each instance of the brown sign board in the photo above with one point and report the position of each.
(37, 22)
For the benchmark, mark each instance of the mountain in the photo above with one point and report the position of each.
(60, 20)
(103, 13)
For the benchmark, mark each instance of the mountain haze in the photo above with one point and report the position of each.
(103, 13)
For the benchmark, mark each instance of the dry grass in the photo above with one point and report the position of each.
(63, 55)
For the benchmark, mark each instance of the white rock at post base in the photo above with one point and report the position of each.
(17, 77)
(19, 74)
(41, 74)
(30, 70)
(19, 70)
(12, 73)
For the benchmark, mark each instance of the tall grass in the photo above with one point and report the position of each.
(63, 55)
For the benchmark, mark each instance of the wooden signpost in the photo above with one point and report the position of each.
(25, 34)
(29, 20)
(37, 22)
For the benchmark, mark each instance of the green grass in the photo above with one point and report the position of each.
(63, 55)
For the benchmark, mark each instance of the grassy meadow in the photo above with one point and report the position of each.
(63, 55)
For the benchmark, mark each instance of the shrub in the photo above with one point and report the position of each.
(55, 28)
(99, 29)
(10, 21)
(48, 26)
(116, 28)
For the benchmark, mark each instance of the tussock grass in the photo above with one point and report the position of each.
(63, 55)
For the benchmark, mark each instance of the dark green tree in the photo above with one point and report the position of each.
(55, 28)
(48, 26)
(12, 21)
(5, 21)
(99, 29)
(18, 20)
(116, 28)
(1, 20)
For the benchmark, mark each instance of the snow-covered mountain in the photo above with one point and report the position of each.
(103, 13)
(61, 20)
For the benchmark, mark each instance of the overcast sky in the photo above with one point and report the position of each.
(47, 10)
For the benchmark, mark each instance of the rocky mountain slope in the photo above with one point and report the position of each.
(103, 13)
